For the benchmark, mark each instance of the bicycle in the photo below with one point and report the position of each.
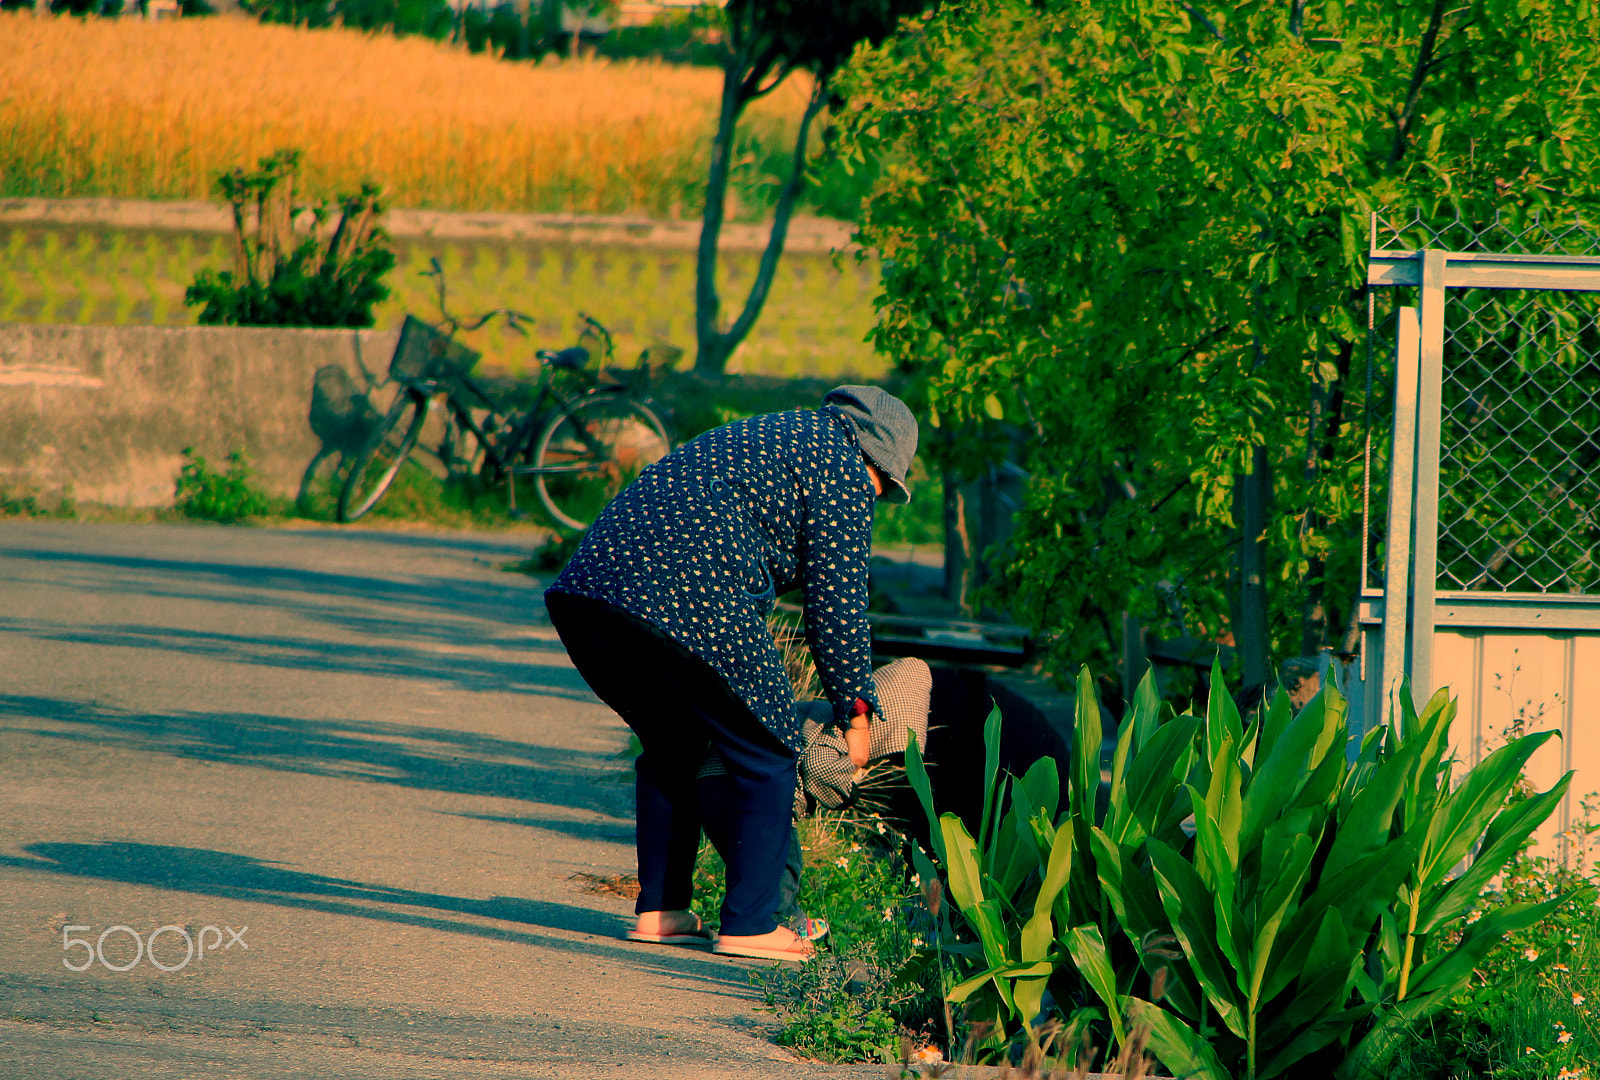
(579, 449)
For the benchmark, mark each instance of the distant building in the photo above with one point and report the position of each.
(644, 12)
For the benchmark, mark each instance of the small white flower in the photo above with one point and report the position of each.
(854, 848)
(917, 941)
(1530, 954)
(841, 862)
(881, 830)
(928, 1055)
(1559, 967)
(888, 916)
(1578, 999)
(916, 880)
(1564, 1037)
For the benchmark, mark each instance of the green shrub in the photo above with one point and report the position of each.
(25, 503)
(868, 984)
(281, 278)
(1242, 894)
(205, 494)
(836, 1007)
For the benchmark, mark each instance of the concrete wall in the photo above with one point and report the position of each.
(109, 409)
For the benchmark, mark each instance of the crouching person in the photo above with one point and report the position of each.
(663, 610)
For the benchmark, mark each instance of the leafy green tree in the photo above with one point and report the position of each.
(765, 41)
(1134, 233)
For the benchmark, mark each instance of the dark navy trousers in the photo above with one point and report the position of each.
(681, 709)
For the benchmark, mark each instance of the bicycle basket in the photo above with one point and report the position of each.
(425, 353)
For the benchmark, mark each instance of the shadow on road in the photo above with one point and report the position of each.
(243, 877)
(619, 833)
(436, 759)
(453, 597)
(389, 660)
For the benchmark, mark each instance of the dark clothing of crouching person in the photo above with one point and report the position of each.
(664, 608)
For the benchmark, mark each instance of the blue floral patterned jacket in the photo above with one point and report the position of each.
(701, 544)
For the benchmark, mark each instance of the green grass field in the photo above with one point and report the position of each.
(814, 322)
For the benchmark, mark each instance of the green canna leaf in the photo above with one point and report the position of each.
(1088, 951)
(1367, 818)
(1275, 720)
(1134, 898)
(1321, 982)
(1447, 974)
(1029, 969)
(1040, 788)
(1153, 776)
(1286, 864)
(1361, 893)
(1083, 786)
(988, 919)
(1501, 841)
(1174, 1043)
(1222, 716)
(1147, 710)
(917, 776)
(1039, 930)
(961, 864)
(1192, 914)
(1281, 773)
(991, 769)
(1465, 813)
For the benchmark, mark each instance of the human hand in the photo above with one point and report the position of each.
(859, 744)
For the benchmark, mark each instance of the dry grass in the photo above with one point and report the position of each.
(122, 107)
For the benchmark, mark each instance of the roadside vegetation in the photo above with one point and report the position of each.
(1244, 905)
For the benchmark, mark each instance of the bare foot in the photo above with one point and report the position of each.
(780, 944)
(666, 923)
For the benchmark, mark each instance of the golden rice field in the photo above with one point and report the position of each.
(813, 325)
(129, 108)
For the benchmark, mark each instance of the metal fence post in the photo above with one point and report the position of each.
(1425, 545)
(1397, 535)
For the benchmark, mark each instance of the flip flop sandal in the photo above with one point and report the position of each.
(697, 937)
(798, 954)
(804, 926)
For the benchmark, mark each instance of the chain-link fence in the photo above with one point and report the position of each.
(1519, 439)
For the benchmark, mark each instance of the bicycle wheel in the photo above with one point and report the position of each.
(584, 458)
(381, 458)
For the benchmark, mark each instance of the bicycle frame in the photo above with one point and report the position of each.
(515, 434)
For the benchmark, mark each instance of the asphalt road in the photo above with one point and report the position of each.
(364, 759)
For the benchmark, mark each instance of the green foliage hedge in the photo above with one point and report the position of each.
(1133, 238)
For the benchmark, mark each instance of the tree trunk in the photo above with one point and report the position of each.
(715, 346)
(524, 18)
(709, 359)
(1326, 421)
(960, 560)
(1251, 494)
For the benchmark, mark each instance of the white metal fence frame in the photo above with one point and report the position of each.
(1557, 608)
